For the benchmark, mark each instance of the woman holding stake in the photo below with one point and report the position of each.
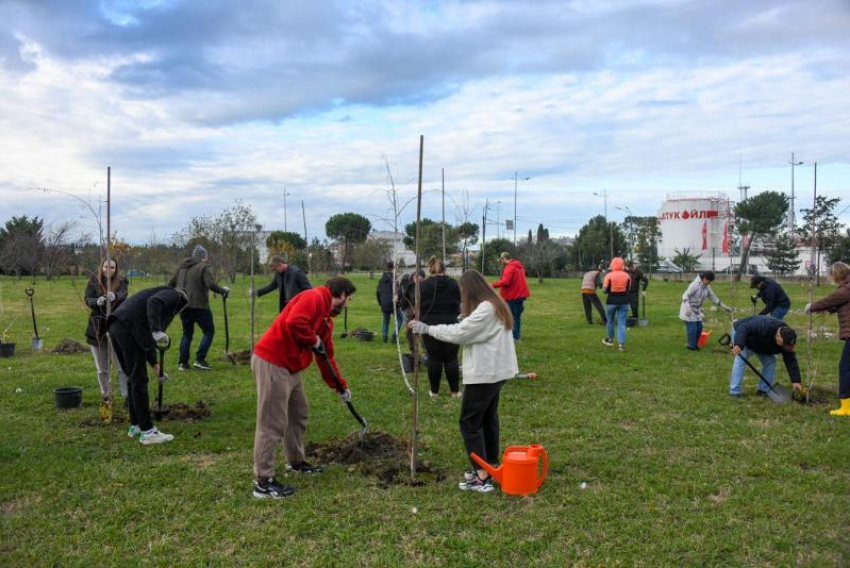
(839, 303)
(489, 359)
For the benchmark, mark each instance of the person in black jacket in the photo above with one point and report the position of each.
(407, 301)
(386, 294)
(106, 288)
(635, 288)
(776, 301)
(440, 304)
(288, 279)
(766, 337)
(137, 329)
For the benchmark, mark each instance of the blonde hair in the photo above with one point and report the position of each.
(840, 272)
(474, 289)
(436, 266)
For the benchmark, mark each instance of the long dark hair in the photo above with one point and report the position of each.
(474, 289)
(101, 277)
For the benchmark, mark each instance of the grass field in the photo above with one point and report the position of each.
(676, 472)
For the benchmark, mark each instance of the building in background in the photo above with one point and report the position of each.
(396, 241)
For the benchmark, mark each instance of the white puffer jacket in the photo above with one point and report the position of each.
(488, 348)
(693, 298)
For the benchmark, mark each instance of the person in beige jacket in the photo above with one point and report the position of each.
(489, 360)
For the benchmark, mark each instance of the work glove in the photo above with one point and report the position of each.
(226, 291)
(345, 396)
(110, 296)
(161, 339)
(101, 301)
(319, 346)
(727, 308)
(754, 299)
(163, 378)
(808, 308)
(643, 293)
(418, 327)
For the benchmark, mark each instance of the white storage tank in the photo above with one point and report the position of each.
(700, 222)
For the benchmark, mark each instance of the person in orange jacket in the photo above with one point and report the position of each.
(513, 288)
(616, 286)
(303, 331)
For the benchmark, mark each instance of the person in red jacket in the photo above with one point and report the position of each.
(513, 288)
(301, 332)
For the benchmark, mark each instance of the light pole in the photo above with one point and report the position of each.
(516, 183)
(604, 196)
(285, 193)
(487, 205)
(631, 215)
(791, 217)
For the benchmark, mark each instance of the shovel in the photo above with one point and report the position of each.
(227, 352)
(777, 393)
(36, 343)
(642, 322)
(360, 419)
(159, 412)
(345, 324)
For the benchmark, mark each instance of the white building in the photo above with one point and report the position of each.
(400, 252)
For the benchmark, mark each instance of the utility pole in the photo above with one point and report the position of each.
(791, 216)
(604, 196)
(516, 182)
(284, 209)
(484, 232)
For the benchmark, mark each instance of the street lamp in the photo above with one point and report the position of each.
(516, 182)
(791, 217)
(285, 193)
(487, 205)
(604, 196)
(631, 215)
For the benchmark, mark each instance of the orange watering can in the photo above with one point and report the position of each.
(703, 339)
(518, 473)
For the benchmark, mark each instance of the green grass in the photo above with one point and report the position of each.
(676, 471)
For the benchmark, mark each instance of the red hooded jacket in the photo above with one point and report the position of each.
(512, 284)
(287, 343)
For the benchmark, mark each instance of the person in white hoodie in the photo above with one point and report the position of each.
(489, 359)
(690, 311)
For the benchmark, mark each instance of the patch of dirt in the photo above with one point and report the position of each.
(241, 356)
(177, 411)
(721, 496)
(819, 396)
(10, 508)
(379, 454)
(362, 334)
(70, 347)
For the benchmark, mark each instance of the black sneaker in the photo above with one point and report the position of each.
(304, 468)
(183, 366)
(271, 489)
(202, 365)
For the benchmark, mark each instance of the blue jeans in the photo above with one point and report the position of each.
(385, 326)
(768, 369)
(516, 308)
(204, 318)
(618, 312)
(779, 313)
(694, 330)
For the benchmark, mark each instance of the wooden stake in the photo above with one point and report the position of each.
(417, 306)
(304, 218)
(811, 279)
(444, 215)
(108, 262)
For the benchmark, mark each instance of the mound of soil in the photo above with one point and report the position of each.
(180, 411)
(821, 395)
(241, 356)
(70, 347)
(379, 454)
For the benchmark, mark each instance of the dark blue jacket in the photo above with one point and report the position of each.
(148, 311)
(758, 334)
(773, 296)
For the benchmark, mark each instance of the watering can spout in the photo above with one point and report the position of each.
(495, 472)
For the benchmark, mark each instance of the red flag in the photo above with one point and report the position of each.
(705, 235)
(725, 244)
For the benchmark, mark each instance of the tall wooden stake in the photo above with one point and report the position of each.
(444, 215)
(417, 306)
(108, 262)
(253, 287)
(814, 267)
(304, 219)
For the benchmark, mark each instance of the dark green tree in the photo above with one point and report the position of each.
(21, 245)
(431, 238)
(645, 244)
(592, 244)
(467, 233)
(759, 216)
(492, 249)
(783, 257)
(347, 229)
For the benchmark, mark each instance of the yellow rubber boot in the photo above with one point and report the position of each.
(844, 410)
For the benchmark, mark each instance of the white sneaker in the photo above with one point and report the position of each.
(433, 395)
(154, 436)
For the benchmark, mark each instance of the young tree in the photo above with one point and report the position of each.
(57, 251)
(347, 229)
(783, 257)
(757, 217)
(543, 258)
(685, 260)
(827, 228)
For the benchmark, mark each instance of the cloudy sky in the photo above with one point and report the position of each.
(195, 104)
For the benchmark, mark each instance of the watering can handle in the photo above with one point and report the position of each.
(545, 467)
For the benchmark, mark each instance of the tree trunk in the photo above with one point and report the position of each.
(745, 258)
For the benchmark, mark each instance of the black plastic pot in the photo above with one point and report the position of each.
(69, 397)
(7, 349)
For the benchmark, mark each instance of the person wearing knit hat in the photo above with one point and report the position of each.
(196, 278)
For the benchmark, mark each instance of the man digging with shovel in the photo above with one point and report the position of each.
(303, 330)
(766, 337)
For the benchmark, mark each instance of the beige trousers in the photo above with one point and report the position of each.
(282, 412)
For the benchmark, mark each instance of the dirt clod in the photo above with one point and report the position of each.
(379, 454)
(70, 347)
(241, 356)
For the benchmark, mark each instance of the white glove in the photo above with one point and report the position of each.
(808, 308)
(161, 339)
(318, 347)
(101, 300)
(418, 327)
(727, 308)
(164, 378)
(251, 292)
(345, 396)
(226, 291)
(110, 296)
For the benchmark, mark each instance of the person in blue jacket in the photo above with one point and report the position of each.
(776, 301)
(766, 337)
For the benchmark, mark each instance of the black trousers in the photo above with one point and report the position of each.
(844, 372)
(442, 355)
(633, 302)
(479, 421)
(131, 358)
(592, 299)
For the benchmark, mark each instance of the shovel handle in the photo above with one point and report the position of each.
(756, 371)
(350, 406)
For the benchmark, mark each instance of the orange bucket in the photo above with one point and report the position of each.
(703, 339)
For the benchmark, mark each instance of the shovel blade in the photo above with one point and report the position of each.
(779, 394)
(37, 344)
